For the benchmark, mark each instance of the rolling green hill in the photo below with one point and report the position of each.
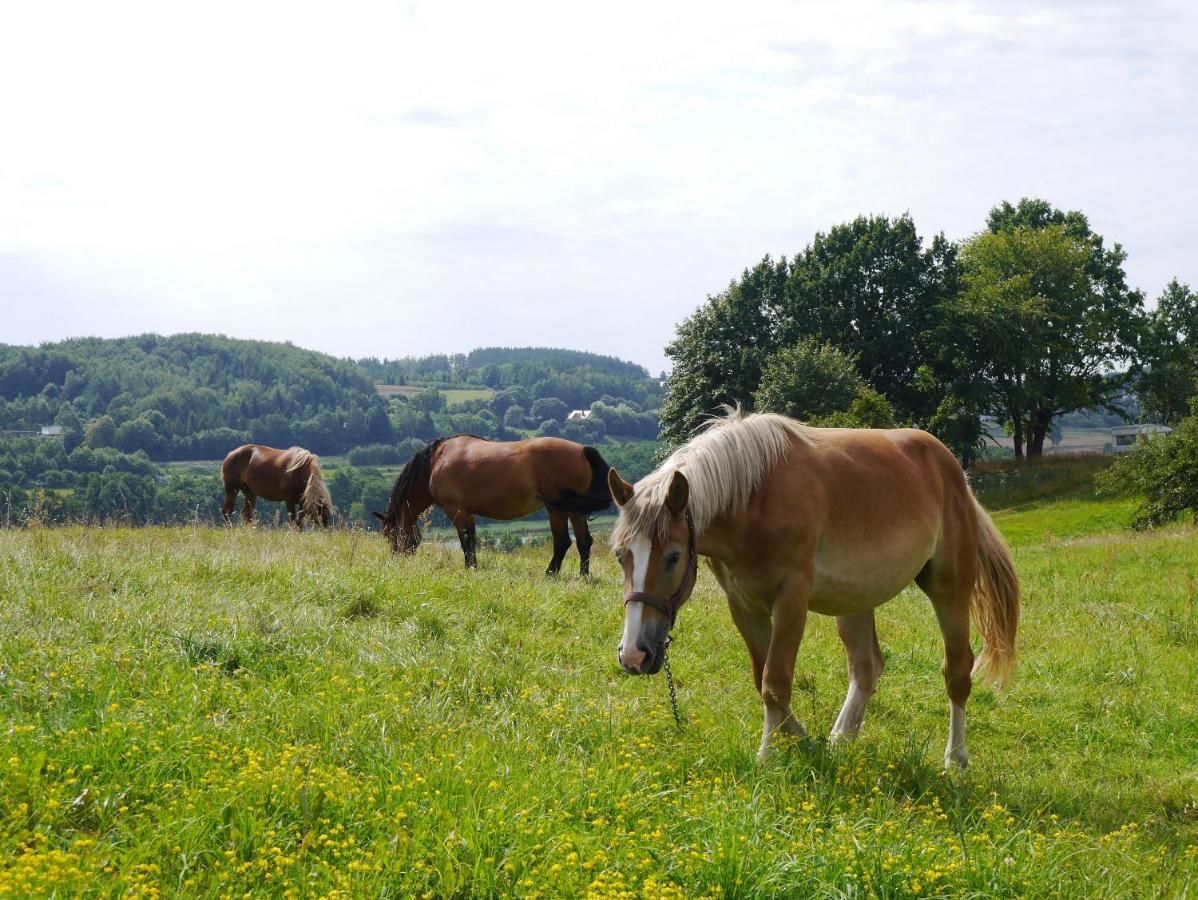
(190, 395)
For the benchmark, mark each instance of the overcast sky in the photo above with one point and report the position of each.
(398, 179)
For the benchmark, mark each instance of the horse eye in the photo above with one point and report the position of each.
(672, 559)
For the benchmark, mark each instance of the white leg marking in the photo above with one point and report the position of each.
(778, 720)
(848, 723)
(955, 753)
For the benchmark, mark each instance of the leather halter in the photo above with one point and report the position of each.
(669, 606)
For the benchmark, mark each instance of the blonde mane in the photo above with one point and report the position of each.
(724, 464)
(316, 491)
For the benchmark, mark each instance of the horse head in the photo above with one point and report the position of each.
(402, 531)
(660, 568)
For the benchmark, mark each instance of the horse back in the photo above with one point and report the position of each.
(845, 495)
(508, 479)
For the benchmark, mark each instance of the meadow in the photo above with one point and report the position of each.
(228, 713)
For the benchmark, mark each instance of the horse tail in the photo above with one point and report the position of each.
(414, 475)
(316, 492)
(995, 603)
(598, 496)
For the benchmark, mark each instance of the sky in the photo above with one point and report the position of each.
(395, 179)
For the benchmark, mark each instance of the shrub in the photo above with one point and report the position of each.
(1163, 470)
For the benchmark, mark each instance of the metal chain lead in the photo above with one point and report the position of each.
(670, 683)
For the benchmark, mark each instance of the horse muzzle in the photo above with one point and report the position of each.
(643, 660)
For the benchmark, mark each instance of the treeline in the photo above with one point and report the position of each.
(40, 481)
(189, 396)
(1028, 321)
(514, 413)
(574, 377)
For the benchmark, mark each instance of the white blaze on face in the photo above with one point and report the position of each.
(630, 653)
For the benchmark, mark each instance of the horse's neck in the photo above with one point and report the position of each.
(721, 537)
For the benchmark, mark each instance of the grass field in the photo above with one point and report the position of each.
(216, 713)
(453, 396)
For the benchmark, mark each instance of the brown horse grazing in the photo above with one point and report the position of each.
(794, 519)
(470, 476)
(292, 476)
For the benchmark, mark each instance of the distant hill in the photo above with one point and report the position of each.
(190, 395)
(576, 377)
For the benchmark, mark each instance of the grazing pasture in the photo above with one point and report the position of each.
(216, 712)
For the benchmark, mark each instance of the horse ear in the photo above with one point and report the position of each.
(679, 494)
(621, 490)
(379, 516)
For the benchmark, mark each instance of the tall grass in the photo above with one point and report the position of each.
(218, 713)
(1000, 484)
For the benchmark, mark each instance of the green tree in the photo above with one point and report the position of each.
(720, 349)
(549, 408)
(1043, 315)
(1163, 470)
(1170, 355)
(514, 417)
(100, 432)
(808, 381)
(868, 287)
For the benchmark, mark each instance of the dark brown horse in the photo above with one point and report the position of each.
(292, 476)
(469, 476)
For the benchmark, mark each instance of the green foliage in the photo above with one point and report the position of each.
(573, 377)
(1043, 316)
(187, 395)
(1162, 469)
(869, 288)
(549, 408)
(719, 351)
(869, 409)
(1004, 483)
(1169, 377)
(211, 712)
(810, 380)
(385, 454)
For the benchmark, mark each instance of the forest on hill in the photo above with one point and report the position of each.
(189, 396)
(575, 377)
(128, 406)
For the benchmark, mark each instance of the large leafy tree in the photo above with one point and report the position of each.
(868, 287)
(719, 351)
(1170, 355)
(1044, 317)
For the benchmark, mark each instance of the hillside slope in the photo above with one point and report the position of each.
(190, 395)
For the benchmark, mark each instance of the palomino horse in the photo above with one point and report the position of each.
(292, 476)
(793, 518)
(470, 476)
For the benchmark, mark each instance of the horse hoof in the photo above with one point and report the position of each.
(957, 760)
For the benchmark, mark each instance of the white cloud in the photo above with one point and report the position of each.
(431, 177)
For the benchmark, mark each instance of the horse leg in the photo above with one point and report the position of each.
(293, 516)
(582, 537)
(757, 631)
(230, 501)
(466, 536)
(950, 592)
(859, 635)
(789, 619)
(561, 539)
(247, 508)
(958, 664)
